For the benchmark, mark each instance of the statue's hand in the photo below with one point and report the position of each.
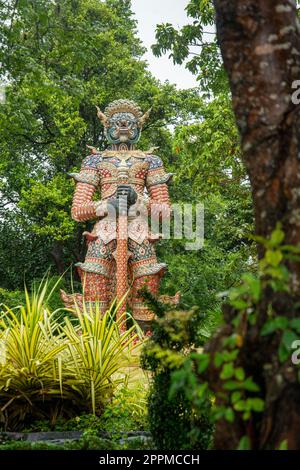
(101, 209)
(125, 198)
(114, 203)
(125, 191)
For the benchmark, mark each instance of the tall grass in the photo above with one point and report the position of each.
(50, 369)
(97, 352)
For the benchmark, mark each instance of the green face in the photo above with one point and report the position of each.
(123, 128)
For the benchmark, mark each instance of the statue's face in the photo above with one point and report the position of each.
(123, 128)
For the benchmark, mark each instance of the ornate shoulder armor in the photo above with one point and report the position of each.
(156, 172)
(89, 173)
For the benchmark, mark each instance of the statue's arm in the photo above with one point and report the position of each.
(83, 207)
(157, 185)
(87, 181)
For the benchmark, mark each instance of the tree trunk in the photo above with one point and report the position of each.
(260, 44)
(58, 256)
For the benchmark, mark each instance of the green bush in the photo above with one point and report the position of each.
(85, 443)
(49, 369)
(175, 419)
(15, 298)
(11, 298)
(126, 412)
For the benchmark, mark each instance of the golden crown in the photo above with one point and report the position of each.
(122, 106)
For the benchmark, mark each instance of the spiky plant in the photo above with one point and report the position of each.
(49, 369)
(33, 348)
(100, 355)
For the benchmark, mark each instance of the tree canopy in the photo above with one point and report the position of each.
(59, 60)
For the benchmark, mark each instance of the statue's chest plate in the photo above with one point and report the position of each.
(112, 169)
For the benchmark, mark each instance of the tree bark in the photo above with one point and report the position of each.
(260, 44)
(58, 256)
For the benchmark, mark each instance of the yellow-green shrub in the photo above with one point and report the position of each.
(97, 352)
(49, 369)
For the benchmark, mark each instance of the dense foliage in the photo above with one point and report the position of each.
(195, 45)
(176, 422)
(51, 370)
(59, 61)
(208, 169)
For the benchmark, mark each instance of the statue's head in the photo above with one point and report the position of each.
(123, 122)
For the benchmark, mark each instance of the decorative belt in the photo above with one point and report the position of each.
(114, 180)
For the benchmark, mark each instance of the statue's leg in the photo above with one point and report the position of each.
(96, 290)
(140, 311)
(146, 274)
(97, 272)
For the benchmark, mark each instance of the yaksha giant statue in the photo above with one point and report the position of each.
(133, 185)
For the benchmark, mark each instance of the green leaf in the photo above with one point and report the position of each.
(230, 356)
(246, 415)
(227, 371)
(240, 405)
(257, 404)
(235, 397)
(278, 323)
(283, 353)
(288, 338)
(232, 385)
(283, 445)
(229, 415)
(254, 285)
(274, 258)
(239, 374)
(239, 304)
(219, 359)
(244, 443)
(291, 248)
(203, 363)
(295, 324)
(277, 237)
(250, 385)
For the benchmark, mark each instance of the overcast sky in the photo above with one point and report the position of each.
(149, 13)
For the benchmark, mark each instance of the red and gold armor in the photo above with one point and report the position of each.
(146, 175)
